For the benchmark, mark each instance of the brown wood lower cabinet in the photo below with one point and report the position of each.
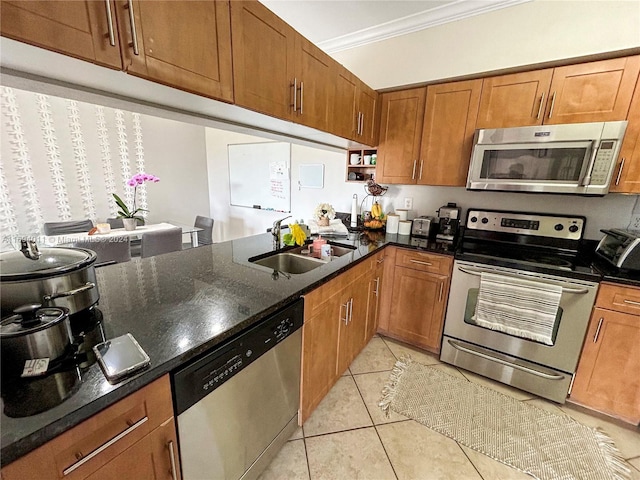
(133, 438)
(608, 375)
(415, 298)
(339, 320)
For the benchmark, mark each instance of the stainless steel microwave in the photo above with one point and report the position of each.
(573, 158)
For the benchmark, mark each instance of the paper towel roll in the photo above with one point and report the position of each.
(392, 223)
(404, 227)
(354, 211)
(402, 213)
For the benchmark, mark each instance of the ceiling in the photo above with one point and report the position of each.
(336, 25)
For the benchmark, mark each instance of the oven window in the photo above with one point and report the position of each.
(472, 300)
(542, 164)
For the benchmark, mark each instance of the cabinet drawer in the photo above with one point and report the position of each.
(619, 298)
(425, 262)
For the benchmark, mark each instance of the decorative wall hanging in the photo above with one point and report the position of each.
(80, 154)
(105, 157)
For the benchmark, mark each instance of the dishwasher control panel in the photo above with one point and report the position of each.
(202, 376)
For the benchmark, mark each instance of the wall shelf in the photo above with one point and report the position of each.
(361, 172)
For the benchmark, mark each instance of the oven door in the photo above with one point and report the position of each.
(576, 302)
(533, 167)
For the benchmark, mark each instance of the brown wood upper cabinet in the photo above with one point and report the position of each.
(626, 179)
(428, 142)
(354, 108)
(83, 29)
(588, 92)
(183, 44)
(277, 71)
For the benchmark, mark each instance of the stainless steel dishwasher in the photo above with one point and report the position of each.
(238, 405)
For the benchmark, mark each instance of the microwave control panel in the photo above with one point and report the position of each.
(603, 163)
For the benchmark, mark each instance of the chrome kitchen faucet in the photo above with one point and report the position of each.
(275, 231)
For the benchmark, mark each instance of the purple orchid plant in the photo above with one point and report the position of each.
(135, 181)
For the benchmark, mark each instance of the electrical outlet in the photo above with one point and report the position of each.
(634, 224)
(408, 203)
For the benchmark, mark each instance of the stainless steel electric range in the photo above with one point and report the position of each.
(520, 300)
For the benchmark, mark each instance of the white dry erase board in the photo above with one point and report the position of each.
(259, 175)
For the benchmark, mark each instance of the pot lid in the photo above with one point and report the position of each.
(16, 266)
(31, 318)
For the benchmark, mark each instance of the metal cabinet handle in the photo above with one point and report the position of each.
(295, 95)
(553, 102)
(112, 38)
(83, 288)
(540, 107)
(380, 260)
(420, 172)
(595, 337)
(104, 446)
(346, 313)
(301, 95)
(134, 35)
(350, 309)
(440, 295)
(413, 172)
(631, 302)
(620, 172)
(375, 291)
(172, 457)
(421, 262)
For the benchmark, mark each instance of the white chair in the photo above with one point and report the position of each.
(161, 241)
(108, 250)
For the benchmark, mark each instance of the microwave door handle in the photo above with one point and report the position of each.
(587, 178)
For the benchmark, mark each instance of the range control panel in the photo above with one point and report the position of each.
(539, 225)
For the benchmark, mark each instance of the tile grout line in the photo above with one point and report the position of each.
(470, 461)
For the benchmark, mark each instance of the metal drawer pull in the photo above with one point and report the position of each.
(380, 260)
(134, 35)
(112, 38)
(620, 172)
(553, 102)
(541, 104)
(595, 337)
(421, 263)
(172, 457)
(377, 280)
(631, 302)
(346, 313)
(413, 173)
(504, 362)
(420, 172)
(577, 291)
(53, 296)
(104, 446)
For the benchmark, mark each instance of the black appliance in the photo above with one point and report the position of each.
(448, 222)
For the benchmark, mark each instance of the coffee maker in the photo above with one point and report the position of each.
(448, 222)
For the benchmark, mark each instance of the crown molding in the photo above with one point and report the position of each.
(450, 12)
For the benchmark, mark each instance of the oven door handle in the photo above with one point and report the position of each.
(457, 346)
(577, 291)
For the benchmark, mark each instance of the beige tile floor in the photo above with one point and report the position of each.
(348, 437)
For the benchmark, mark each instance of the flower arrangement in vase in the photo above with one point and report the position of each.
(130, 218)
(323, 213)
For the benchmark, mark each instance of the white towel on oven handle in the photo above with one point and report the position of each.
(519, 307)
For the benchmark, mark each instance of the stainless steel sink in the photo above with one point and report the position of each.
(294, 261)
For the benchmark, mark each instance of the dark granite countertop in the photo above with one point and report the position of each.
(178, 306)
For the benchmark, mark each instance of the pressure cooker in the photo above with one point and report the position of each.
(54, 277)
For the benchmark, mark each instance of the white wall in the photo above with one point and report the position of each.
(45, 151)
(524, 34)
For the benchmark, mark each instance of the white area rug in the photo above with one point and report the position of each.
(542, 444)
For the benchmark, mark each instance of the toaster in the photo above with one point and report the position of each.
(621, 248)
(424, 227)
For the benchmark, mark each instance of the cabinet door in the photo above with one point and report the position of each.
(592, 92)
(516, 100)
(353, 328)
(418, 305)
(315, 88)
(192, 54)
(626, 178)
(263, 59)
(607, 377)
(375, 293)
(344, 113)
(367, 103)
(400, 134)
(320, 335)
(447, 135)
(82, 29)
